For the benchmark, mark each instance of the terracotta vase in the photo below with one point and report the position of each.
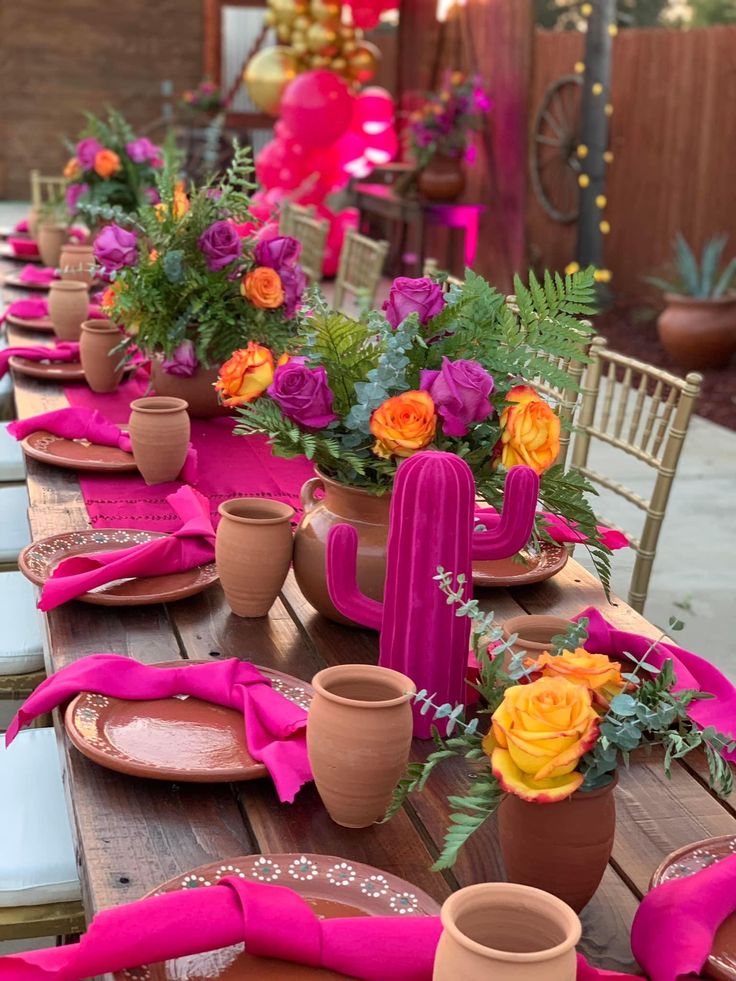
(103, 369)
(534, 633)
(50, 240)
(358, 739)
(699, 334)
(253, 553)
(68, 308)
(32, 220)
(76, 262)
(443, 179)
(563, 847)
(159, 433)
(197, 391)
(506, 932)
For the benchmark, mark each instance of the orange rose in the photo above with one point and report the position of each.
(403, 425)
(263, 287)
(539, 733)
(530, 431)
(152, 255)
(595, 671)
(180, 205)
(107, 302)
(72, 169)
(107, 163)
(246, 375)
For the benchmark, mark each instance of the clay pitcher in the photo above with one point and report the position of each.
(68, 308)
(50, 240)
(506, 932)
(103, 365)
(358, 738)
(253, 553)
(159, 433)
(443, 179)
(76, 262)
(198, 390)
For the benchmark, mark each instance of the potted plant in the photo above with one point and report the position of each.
(697, 327)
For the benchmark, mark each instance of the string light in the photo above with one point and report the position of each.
(579, 67)
(605, 227)
(582, 151)
(601, 201)
(608, 156)
(583, 180)
(613, 29)
(587, 9)
(571, 268)
(609, 109)
(597, 88)
(602, 275)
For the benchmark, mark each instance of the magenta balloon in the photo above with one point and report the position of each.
(374, 110)
(278, 167)
(317, 108)
(350, 147)
(382, 147)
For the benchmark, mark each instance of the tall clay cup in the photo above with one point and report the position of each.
(102, 364)
(534, 633)
(253, 552)
(68, 308)
(508, 933)
(50, 240)
(76, 262)
(159, 434)
(33, 222)
(358, 738)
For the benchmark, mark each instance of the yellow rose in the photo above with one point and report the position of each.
(538, 735)
(595, 671)
(403, 425)
(263, 287)
(530, 431)
(72, 169)
(107, 163)
(246, 375)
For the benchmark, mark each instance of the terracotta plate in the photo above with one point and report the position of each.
(53, 371)
(14, 280)
(8, 231)
(694, 858)
(76, 454)
(36, 323)
(38, 560)
(8, 252)
(182, 738)
(505, 573)
(332, 886)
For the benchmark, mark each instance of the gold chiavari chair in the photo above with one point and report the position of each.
(360, 268)
(45, 190)
(312, 233)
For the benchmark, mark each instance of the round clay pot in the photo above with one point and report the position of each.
(699, 334)
(32, 220)
(358, 738)
(508, 933)
(76, 262)
(103, 369)
(563, 847)
(443, 179)
(341, 504)
(159, 434)
(68, 308)
(253, 553)
(535, 633)
(50, 240)
(197, 391)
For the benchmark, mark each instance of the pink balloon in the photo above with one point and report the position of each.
(349, 148)
(317, 108)
(374, 110)
(278, 166)
(382, 147)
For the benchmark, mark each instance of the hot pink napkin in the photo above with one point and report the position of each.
(192, 544)
(559, 529)
(63, 351)
(40, 275)
(23, 246)
(275, 728)
(79, 234)
(21, 226)
(691, 671)
(29, 309)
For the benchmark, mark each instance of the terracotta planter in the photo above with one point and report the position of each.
(76, 261)
(32, 220)
(50, 240)
(197, 391)
(506, 932)
(535, 633)
(443, 179)
(68, 308)
(358, 739)
(562, 848)
(699, 334)
(103, 369)
(253, 552)
(159, 432)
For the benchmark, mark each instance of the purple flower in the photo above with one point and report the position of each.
(303, 394)
(115, 248)
(278, 252)
(151, 195)
(142, 150)
(294, 282)
(73, 194)
(460, 391)
(183, 362)
(220, 244)
(422, 296)
(87, 150)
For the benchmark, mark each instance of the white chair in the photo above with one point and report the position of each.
(12, 461)
(21, 646)
(14, 531)
(7, 399)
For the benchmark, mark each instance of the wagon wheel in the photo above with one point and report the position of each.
(553, 159)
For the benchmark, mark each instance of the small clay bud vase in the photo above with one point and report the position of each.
(506, 932)
(68, 308)
(534, 633)
(50, 240)
(76, 262)
(33, 222)
(159, 433)
(253, 552)
(359, 731)
(102, 364)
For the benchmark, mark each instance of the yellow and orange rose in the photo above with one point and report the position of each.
(180, 206)
(595, 671)
(539, 733)
(107, 163)
(246, 375)
(263, 287)
(530, 431)
(404, 424)
(72, 169)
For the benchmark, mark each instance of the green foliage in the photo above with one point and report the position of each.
(702, 279)
(345, 348)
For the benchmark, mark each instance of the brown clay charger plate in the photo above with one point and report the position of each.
(52, 371)
(8, 231)
(12, 279)
(76, 454)
(8, 252)
(333, 887)
(181, 738)
(506, 573)
(39, 559)
(42, 324)
(721, 965)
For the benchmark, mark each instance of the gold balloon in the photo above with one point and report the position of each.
(266, 76)
(302, 23)
(325, 12)
(299, 48)
(322, 40)
(348, 47)
(319, 61)
(283, 32)
(286, 11)
(346, 32)
(363, 61)
(339, 65)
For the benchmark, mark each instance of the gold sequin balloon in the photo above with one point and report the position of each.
(363, 61)
(325, 13)
(322, 40)
(267, 74)
(286, 11)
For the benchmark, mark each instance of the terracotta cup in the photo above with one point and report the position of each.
(103, 366)
(508, 933)
(76, 262)
(358, 738)
(50, 240)
(159, 433)
(68, 308)
(253, 553)
(534, 633)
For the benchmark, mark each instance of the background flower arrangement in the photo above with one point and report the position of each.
(444, 123)
(206, 97)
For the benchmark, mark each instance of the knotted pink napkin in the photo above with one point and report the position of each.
(191, 545)
(559, 529)
(39, 275)
(66, 351)
(31, 309)
(691, 671)
(275, 728)
(23, 246)
(21, 226)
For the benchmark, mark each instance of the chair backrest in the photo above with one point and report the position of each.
(45, 189)
(431, 268)
(651, 427)
(289, 212)
(312, 233)
(360, 268)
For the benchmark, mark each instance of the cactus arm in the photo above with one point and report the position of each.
(342, 582)
(514, 528)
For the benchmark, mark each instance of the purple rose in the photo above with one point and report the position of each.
(115, 248)
(142, 150)
(294, 282)
(278, 253)
(73, 194)
(151, 195)
(460, 391)
(422, 296)
(220, 244)
(303, 394)
(86, 152)
(183, 362)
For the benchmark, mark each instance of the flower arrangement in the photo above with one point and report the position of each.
(111, 167)
(206, 97)
(187, 281)
(443, 124)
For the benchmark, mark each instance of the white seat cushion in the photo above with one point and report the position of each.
(37, 864)
(12, 462)
(14, 531)
(21, 642)
(6, 382)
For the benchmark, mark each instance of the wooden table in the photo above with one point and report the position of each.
(133, 834)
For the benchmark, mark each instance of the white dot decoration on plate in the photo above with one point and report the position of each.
(303, 869)
(375, 886)
(229, 870)
(403, 903)
(341, 874)
(194, 881)
(264, 870)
